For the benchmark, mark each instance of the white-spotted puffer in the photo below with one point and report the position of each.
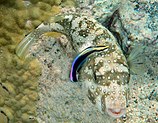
(100, 63)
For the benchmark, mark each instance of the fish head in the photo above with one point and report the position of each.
(110, 98)
(116, 100)
(113, 78)
(108, 90)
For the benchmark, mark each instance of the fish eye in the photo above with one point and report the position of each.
(124, 117)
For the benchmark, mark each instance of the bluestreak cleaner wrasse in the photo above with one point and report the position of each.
(81, 58)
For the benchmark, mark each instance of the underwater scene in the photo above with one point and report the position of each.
(79, 61)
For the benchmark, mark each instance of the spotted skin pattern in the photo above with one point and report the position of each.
(105, 73)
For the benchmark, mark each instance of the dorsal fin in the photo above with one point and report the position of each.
(81, 58)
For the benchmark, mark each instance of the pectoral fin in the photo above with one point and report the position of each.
(137, 60)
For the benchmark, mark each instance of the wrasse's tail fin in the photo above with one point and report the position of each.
(24, 45)
(82, 58)
(136, 60)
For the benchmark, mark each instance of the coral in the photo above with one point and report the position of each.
(18, 86)
(3, 118)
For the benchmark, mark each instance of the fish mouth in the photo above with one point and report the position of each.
(116, 113)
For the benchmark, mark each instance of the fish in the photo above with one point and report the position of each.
(99, 63)
(81, 58)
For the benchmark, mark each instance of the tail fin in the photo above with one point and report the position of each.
(25, 44)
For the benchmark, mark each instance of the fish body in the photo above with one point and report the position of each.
(104, 72)
(100, 63)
